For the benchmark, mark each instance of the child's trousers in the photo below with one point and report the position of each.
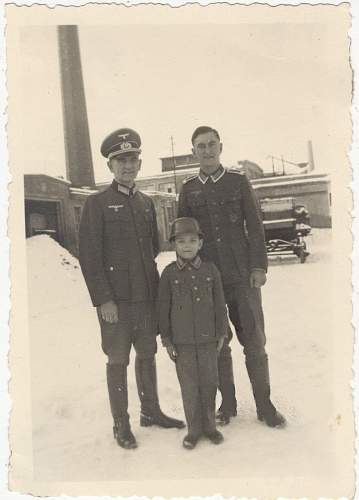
(197, 373)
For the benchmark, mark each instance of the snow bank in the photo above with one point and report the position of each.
(72, 428)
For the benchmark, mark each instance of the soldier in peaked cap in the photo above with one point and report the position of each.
(224, 204)
(118, 245)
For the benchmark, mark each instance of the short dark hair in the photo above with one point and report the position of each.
(203, 130)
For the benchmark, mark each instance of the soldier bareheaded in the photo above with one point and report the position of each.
(118, 245)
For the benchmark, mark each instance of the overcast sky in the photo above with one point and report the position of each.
(267, 88)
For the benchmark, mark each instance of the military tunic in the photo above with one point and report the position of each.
(227, 211)
(118, 246)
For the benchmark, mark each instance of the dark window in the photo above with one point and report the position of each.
(77, 214)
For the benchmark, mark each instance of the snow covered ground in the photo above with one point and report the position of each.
(72, 427)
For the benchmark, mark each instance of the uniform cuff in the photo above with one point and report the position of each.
(258, 269)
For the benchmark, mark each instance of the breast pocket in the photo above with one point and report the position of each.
(206, 287)
(197, 203)
(116, 213)
(233, 207)
(117, 222)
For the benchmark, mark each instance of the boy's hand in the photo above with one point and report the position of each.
(109, 312)
(220, 344)
(171, 350)
(257, 278)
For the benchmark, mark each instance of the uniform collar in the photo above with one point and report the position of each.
(196, 263)
(124, 189)
(215, 176)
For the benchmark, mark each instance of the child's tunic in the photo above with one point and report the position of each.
(192, 308)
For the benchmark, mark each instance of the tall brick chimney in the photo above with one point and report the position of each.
(79, 167)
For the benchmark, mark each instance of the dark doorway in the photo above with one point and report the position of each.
(42, 217)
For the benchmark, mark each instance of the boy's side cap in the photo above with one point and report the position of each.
(185, 225)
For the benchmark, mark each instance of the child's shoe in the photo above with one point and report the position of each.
(215, 437)
(189, 442)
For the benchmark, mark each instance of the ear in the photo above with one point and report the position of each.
(200, 244)
(109, 164)
(220, 148)
(194, 152)
(139, 164)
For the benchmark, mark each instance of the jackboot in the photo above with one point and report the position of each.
(151, 413)
(258, 372)
(117, 390)
(226, 386)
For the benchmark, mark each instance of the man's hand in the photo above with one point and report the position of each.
(171, 350)
(220, 344)
(257, 278)
(109, 312)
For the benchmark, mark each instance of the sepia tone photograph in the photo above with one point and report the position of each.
(180, 263)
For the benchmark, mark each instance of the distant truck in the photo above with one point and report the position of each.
(286, 225)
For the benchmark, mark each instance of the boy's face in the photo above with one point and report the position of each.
(188, 245)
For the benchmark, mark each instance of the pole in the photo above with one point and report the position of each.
(310, 156)
(174, 166)
(283, 165)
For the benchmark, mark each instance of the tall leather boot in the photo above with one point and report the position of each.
(117, 390)
(258, 372)
(151, 413)
(226, 386)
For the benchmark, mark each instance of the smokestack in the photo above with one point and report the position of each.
(79, 167)
(310, 157)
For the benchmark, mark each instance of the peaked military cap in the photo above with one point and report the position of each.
(121, 141)
(185, 225)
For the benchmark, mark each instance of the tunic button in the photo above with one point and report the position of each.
(217, 228)
(195, 288)
(111, 268)
(193, 277)
(218, 239)
(198, 299)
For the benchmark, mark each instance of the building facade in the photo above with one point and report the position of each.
(54, 207)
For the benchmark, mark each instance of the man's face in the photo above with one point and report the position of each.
(188, 245)
(125, 168)
(207, 148)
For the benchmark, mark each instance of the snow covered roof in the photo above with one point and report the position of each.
(55, 178)
(285, 178)
(83, 190)
(287, 182)
(159, 193)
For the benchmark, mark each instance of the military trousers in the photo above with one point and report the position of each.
(136, 326)
(197, 373)
(246, 314)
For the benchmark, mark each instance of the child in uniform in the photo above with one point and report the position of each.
(193, 324)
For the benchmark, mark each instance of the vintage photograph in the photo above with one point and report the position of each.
(180, 230)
